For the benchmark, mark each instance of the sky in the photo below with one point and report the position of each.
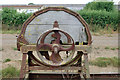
(3, 2)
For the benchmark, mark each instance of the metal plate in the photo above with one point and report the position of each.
(45, 21)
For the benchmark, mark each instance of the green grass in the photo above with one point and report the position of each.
(14, 48)
(1, 49)
(10, 72)
(11, 31)
(107, 47)
(113, 48)
(104, 62)
(6, 60)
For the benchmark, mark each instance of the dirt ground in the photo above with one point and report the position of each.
(98, 50)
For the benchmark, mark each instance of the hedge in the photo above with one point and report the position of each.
(12, 18)
(99, 17)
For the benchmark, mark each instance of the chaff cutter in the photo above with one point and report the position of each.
(55, 40)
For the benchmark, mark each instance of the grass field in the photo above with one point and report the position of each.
(11, 31)
(10, 72)
(104, 62)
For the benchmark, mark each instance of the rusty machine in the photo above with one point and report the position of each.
(55, 43)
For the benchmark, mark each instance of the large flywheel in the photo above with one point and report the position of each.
(56, 53)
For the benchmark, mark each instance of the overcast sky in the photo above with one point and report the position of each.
(2, 2)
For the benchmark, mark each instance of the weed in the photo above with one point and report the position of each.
(107, 47)
(10, 72)
(7, 60)
(118, 48)
(101, 62)
(115, 62)
(14, 48)
(113, 48)
(1, 49)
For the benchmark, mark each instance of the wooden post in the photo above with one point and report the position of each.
(86, 65)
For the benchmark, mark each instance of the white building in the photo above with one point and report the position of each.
(23, 8)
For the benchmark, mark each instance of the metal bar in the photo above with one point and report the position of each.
(83, 48)
(51, 72)
(52, 68)
(55, 76)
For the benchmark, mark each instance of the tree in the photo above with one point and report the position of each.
(31, 4)
(99, 5)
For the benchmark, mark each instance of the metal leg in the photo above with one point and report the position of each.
(23, 66)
